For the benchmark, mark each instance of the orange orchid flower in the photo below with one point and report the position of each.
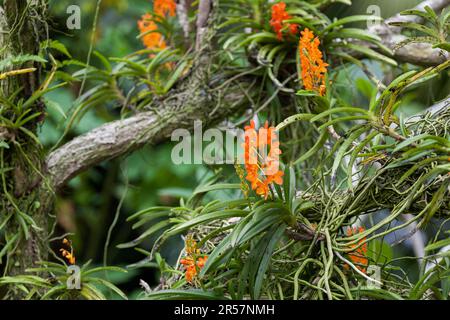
(193, 262)
(359, 255)
(261, 172)
(313, 67)
(153, 39)
(69, 255)
(279, 15)
(164, 7)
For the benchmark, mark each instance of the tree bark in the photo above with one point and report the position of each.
(25, 196)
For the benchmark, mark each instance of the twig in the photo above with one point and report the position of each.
(204, 11)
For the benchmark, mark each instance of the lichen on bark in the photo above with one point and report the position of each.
(25, 199)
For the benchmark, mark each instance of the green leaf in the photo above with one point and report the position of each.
(150, 217)
(190, 294)
(437, 245)
(4, 145)
(153, 229)
(19, 60)
(225, 214)
(55, 106)
(215, 187)
(379, 294)
(423, 136)
(149, 211)
(90, 292)
(219, 253)
(263, 254)
(301, 22)
(380, 252)
(420, 13)
(415, 26)
(104, 61)
(444, 45)
(350, 19)
(339, 110)
(108, 285)
(54, 290)
(354, 155)
(343, 149)
(259, 221)
(175, 76)
(103, 269)
(317, 146)
(258, 37)
(289, 186)
(58, 46)
(353, 33)
(293, 119)
(306, 93)
(371, 53)
(29, 280)
(8, 245)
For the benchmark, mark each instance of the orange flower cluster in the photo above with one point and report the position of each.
(66, 254)
(279, 15)
(164, 7)
(193, 268)
(359, 256)
(262, 171)
(192, 263)
(152, 39)
(313, 67)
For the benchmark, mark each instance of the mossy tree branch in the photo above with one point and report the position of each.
(23, 195)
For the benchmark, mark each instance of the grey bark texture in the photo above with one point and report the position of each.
(22, 28)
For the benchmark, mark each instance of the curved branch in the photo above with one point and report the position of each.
(415, 53)
(204, 13)
(120, 137)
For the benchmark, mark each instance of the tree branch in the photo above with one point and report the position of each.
(415, 53)
(183, 17)
(204, 12)
(123, 136)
